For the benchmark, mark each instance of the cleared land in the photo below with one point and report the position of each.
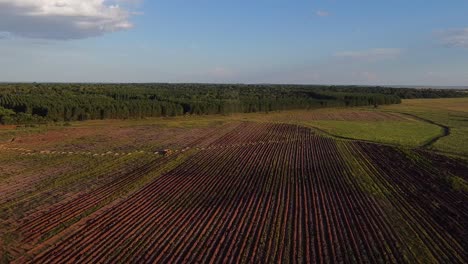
(452, 113)
(366, 124)
(274, 188)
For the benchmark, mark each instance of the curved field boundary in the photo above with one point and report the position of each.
(345, 138)
(231, 137)
(446, 130)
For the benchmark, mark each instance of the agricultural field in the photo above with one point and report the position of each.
(365, 124)
(353, 185)
(451, 113)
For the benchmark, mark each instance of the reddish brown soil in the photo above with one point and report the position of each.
(336, 115)
(8, 127)
(115, 138)
(354, 116)
(273, 193)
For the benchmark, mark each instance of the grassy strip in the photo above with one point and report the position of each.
(452, 181)
(413, 248)
(450, 113)
(68, 183)
(17, 208)
(133, 187)
(401, 133)
(366, 180)
(459, 184)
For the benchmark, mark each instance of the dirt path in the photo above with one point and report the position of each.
(29, 152)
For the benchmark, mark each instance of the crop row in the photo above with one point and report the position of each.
(33, 228)
(114, 183)
(295, 199)
(347, 115)
(422, 194)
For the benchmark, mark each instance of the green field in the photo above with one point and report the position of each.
(403, 133)
(452, 113)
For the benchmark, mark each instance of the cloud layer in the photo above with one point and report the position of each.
(370, 55)
(62, 19)
(456, 38)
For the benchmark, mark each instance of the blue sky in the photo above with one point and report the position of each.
(258, 41)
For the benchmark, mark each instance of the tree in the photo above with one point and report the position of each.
(6, 115)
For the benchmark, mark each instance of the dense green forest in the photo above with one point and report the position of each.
(41, 102)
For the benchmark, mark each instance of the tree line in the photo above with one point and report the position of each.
(42, 102)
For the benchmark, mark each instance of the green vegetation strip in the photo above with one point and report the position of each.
(459, 184)
(92, 170)
(450, 113)
(413, 248)
(402, 133)
(121, 194)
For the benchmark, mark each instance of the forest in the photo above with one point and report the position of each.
(23, 103)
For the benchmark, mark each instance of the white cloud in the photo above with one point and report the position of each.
(371, 55)
(4, 35)
(63, 19)
(322, 13)
(455, 37)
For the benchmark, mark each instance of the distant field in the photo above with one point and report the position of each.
(253, 188)
(403, 133)
(452, 113)
(390, 124)
(367, 124)
(444, 104)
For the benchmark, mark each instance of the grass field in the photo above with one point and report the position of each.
(452, 113)
(267, 187)
(402, 133)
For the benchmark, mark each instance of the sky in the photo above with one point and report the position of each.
(370, 42)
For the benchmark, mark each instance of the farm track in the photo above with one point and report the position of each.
(103, 157)
(196, 145)
(268, 193)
